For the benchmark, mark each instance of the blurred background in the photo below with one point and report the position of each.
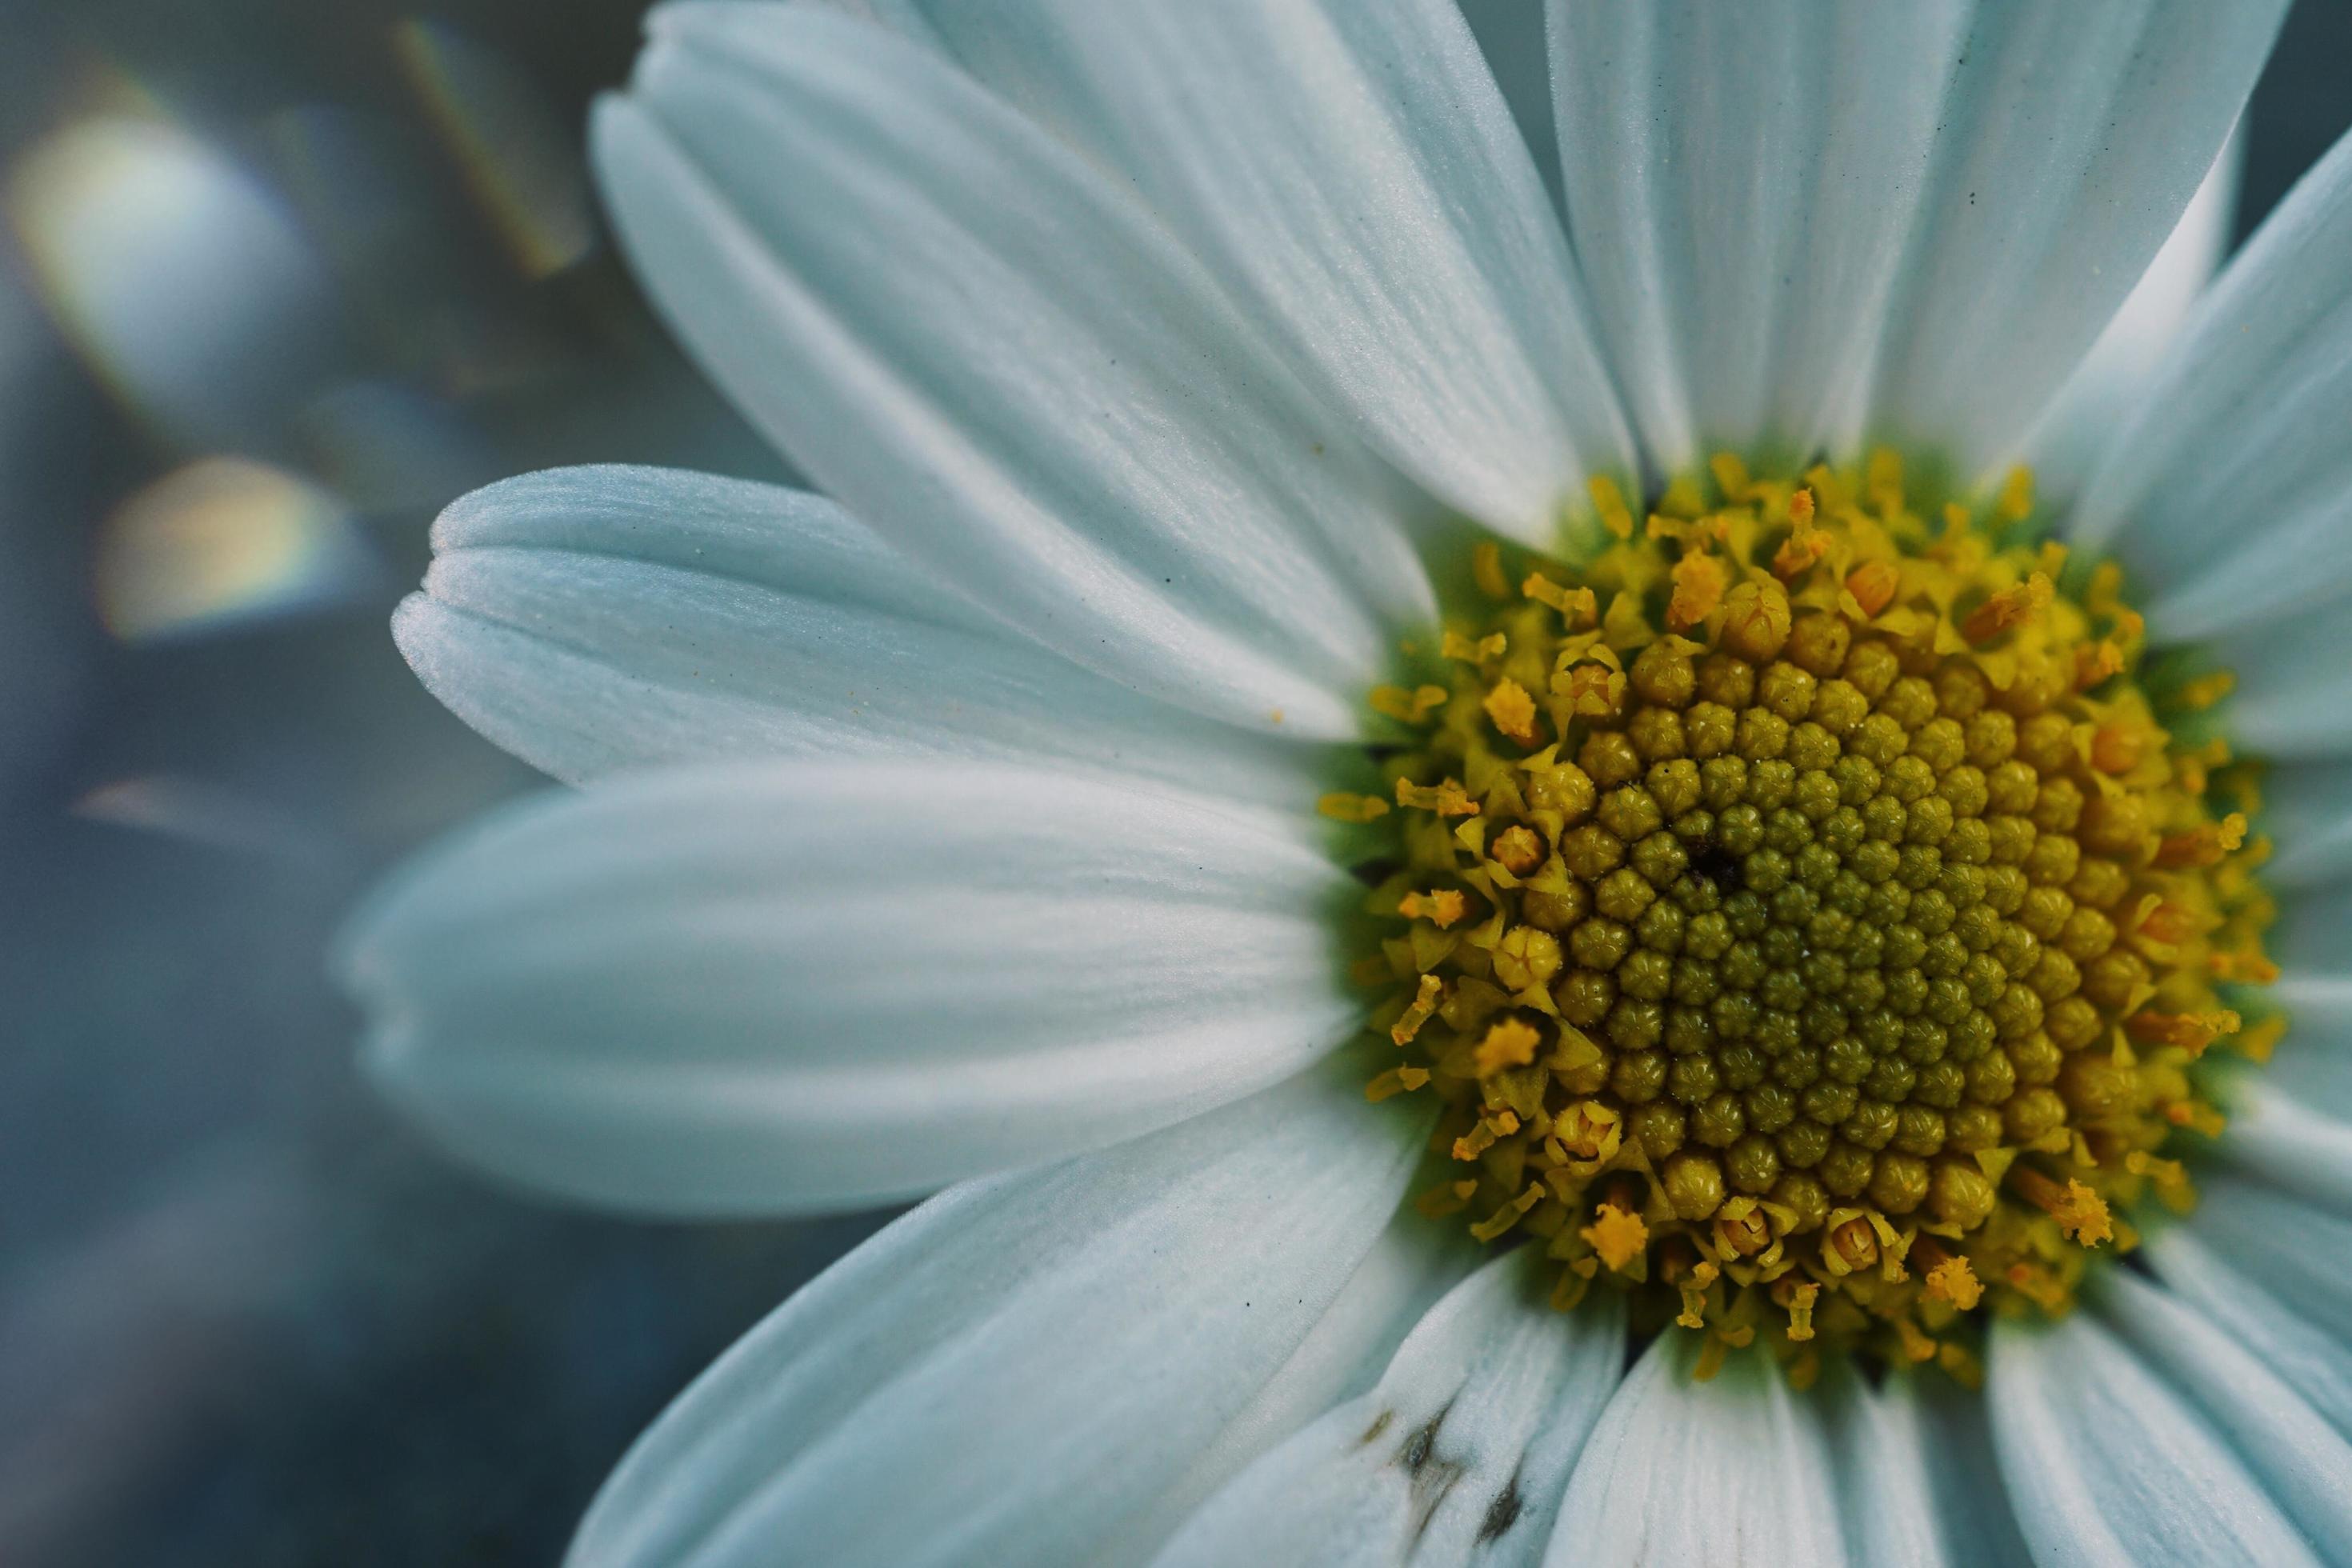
(278, 280)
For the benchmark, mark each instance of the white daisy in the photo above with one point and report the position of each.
(1365, 763)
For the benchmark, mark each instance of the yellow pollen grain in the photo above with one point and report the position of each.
(1700, 581)
(2081, 1212)
(1512, 709)
(1508, 1044)
(1440, 909)
(1954, 1281)
(1617, 1236)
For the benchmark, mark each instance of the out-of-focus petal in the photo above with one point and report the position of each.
(1013, 1371)
(799, 985)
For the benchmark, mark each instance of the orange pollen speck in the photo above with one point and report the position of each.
(1446, 798)
(1441, 908)
(2116, 748)
(2170, 924)
(2203, 845)
(1804, 545)
(1872, 584)
(1518, 850)
(2192, 1032)
(2007, 607)
(2081, 1213)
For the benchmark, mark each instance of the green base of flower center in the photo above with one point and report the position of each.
(1805, 916)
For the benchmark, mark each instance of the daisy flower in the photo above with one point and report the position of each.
(1553, 878)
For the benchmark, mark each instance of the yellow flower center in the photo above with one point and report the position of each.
(1812, 915)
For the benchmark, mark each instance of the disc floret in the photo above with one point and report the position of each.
(1812, 916)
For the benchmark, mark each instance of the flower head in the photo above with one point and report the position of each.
(1400, 805)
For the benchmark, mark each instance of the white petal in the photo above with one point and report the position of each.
(2229, 491)
(1916, 1472)
(998, 361)
(1883, 1465)
(1349, 169)
(2294, 1246)
(1511, 35)
(1458, 1456)
(2319, 1003)
(1413, 1264)
(1734, 1470)
(2297, 1459)
(2071, 142)
(2311, 1355)
(2108, 1464)
(2313, 938)
(2280, 1137)
(1010, 1372)
(2289, 701)
(2082, 418)
(2311, 1068)
(2307, 813)
(596, 619)
(759, 987)
(1740, 181)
